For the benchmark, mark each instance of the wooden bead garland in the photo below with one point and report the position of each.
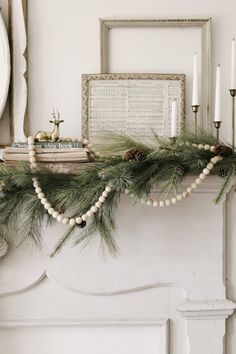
(94, 208)
(202, 176)
(79, 220)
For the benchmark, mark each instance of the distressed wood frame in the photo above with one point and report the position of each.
(106, 25)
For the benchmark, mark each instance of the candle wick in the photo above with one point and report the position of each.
(218, 65)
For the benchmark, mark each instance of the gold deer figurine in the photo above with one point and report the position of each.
(51, 136)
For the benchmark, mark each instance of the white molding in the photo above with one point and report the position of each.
(212, 309)
(5, 65)
(163, 323)
(54, 322)
(19, 86)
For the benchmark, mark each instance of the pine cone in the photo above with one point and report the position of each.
(223, 171)
(223, 150)
(134, 154)
(140, 156)
(130, 154)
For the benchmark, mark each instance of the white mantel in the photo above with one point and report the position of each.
(170, 269)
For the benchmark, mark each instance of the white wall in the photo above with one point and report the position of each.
(64, 43)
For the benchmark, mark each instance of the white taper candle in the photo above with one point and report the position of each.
(195, 97)
(218, 116)
(173, 132)
(233, 67)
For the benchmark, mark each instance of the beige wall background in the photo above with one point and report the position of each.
(64, 43)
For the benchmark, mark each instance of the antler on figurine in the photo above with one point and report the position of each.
(54, 135)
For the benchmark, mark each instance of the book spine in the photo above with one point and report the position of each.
(56, 145)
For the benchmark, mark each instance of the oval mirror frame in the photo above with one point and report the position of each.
(5, 65)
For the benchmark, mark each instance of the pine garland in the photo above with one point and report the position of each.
(162, 163)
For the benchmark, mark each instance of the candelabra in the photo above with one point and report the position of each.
(233, 94)
(217, 125)
(195, 109)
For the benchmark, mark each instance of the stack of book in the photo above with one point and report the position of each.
(48, 152)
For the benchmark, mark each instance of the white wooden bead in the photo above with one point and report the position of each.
(212, 148)
(36, 184)
(174, 201)
(149, 202)
(200, 146)
(65, 221)
(93, 150)
(86, 141)
(210, 166)
(198, 181)
(89, 213)
(97, 154)
(44, 201)
(214, 160)
(202, 176)
(189, 190)
(72, 222)
(33, 165)
(41, 195)
(89, 146)
(206, 171)
(31, 147)
(162, 203)
(34, 179)
(98, 204)
(30, 139)
(126, 191)
(78, 220)
(47, 206)
(193, 185)
(60, 218)
(105, 194)
(84, 217)
(184, 194)
(94, 209)
(32, 160)
(179, 197)
(55, 214)
(101, 199)
(167, 201)
(38, 190)
(155, 203)
(207, 147)
(51, 211)
(194, 145)
(108, 189)
(32, 153)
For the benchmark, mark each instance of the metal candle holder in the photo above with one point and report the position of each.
(233, 94)
(195, 109)
(217, 125)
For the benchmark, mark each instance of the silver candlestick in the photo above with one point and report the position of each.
(233, 94)
(195, 109)
(217, 125)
